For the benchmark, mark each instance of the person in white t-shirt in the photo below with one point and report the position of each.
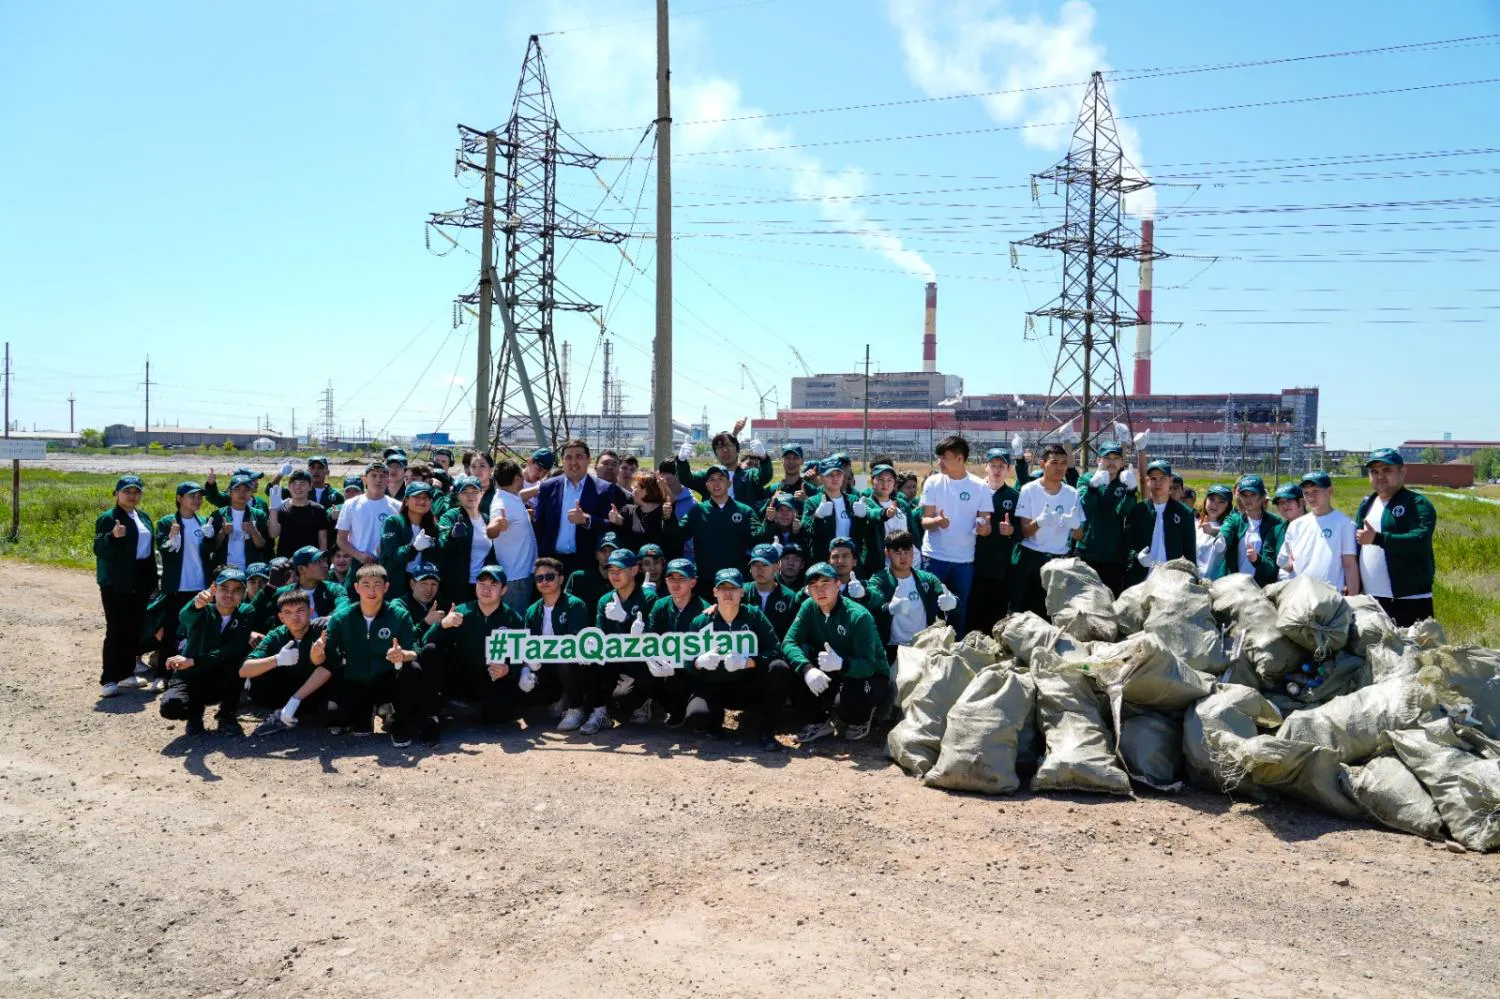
(515, 542)
(361, 518)
(956, 508)
(1321, 542)
(1049, 514)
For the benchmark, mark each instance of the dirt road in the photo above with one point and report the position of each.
(137, 862)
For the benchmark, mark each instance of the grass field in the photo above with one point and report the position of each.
(58, 511)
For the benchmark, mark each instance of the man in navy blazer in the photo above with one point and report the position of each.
(572, 509)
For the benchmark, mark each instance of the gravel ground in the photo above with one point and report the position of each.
(139, 862)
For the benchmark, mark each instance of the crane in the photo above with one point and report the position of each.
(798, 355)
(763, 396)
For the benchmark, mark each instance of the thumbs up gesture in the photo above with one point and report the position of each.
(435, 615)
(319, 651)
(830, 661)
(453, 618)
(176, 529)
(615, 611)
(685, 449)
(615, 516)
(576, 515)
(211, 481)
(395, 655)
(941, 521)
(638, 626)
(422, 541)
(118, 531)
(1006, 527)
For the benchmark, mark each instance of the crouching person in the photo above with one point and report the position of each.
(282, 663)
(676, 612)
(217, 626)
(834, 646)
(905, 599)
(755, 683)
(556, 612)
(456, 658)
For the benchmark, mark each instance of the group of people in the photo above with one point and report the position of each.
(334, 604)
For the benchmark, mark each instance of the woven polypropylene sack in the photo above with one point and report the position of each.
(1025, 633)
(1465, 787)
(1078, 602)
(915, 741)
(1229, 711)
(909, 668)
(1352, 725)
(980, 650)
(982, 737)
(1425, 634)
(1243, 607)
(1301, 770)
(938, 635)
(1144, 673)
(1370, 626)
(1130, 610)
(1151, 747)
(1181, 614)
(1346, 673)
(1391, 795)
(1080, 753)
(1313, 614)
(1466, 674)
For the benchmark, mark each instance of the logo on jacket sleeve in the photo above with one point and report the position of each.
(1007, 505)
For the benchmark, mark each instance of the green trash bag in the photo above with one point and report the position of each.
(1080, 753)
(1392, 796)
(982, 738)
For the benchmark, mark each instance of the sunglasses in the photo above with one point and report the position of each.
(545, 577)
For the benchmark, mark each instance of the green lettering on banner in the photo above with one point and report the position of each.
(496, 646)
(671, 645)
(591, 645)
(567, 650)
(723, 643)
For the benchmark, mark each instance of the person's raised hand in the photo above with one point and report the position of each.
(615, 516)
(118, 530)
(452, 619)
(1006, 527)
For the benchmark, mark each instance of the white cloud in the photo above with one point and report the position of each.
(458, 381)
(966, 46)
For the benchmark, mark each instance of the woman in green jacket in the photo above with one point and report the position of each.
(125, 568)
(464, 546)
(183, 538)
(1252, 534)
(407, 538)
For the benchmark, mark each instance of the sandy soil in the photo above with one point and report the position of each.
(137, 862)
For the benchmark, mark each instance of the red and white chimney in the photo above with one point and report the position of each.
(929, 330)
(1143, 309)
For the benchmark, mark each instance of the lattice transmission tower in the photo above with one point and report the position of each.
(1087, 395)
(519, 163)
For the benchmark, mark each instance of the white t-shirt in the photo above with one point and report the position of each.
(362, 518)
(547, 619)
(1052, 539)
(515, 547)
(1210, 554)
(961, 500)
(1159, 536)
(238, 534)
(192, 533)
(479, 546)
(143, 535)
(1318, 544)
(913, 617)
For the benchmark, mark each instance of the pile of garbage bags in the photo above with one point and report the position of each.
(1289, 691)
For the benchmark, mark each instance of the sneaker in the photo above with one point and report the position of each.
(642, 714)
(812, 733)
(157, 686)
(770, 744)
(598, 719)
(401, 741)
(558, 708)
(195, 726)
(142, 667)
(108, 689)
(696, 707)
(272, 725)
(860, 730)
(432, 732)
(571, 719)
(135, 682)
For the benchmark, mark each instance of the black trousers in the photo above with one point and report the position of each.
(1027, 592)
(358, 699)
(125, 623)
(1406, 612)
(189, 691)
(271, 690)
(1112, 574)
(439, 671)
(171, 632)
(849, 700)
(668, 691)
(759, 690)
(588, 686)
(989, 601)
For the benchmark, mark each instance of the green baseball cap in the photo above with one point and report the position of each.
(682, 567)
(1385, 456)
(1251, 484)
(820, 570)
(729, 577)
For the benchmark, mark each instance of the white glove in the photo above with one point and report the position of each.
(855, 589)
(685, 451)
(1284, 558)
(288, 655)
(624, 685)
(661, 666)
(736, 662)
(1100, 479)
(897, 605)
(708, 660)
(946, 601)
(527, 680)
(1129, 479)
(638, 626)
(825, 509)
(776, 547)
(286, 469)
(1144, 558)
(817, 681)
(174, 544)
(289, 712)
(1046, 518)
(757, 449)
(860, 508)
(422, 541)
(830, 661)
(615, 611)
(1016, 446)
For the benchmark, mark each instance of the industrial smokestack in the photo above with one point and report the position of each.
(929, 330)
(1143, 309)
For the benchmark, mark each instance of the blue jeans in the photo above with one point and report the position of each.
(518, 595)
(958, 578)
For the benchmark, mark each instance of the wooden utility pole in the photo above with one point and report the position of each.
(661, 396)
(485, 372)
(867, 409)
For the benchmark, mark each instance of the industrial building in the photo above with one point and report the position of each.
(1451, 450)
(122, 435)
(620, 431)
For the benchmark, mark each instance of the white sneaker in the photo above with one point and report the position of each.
(642, 714)
(696, 706)
(571, 719)
(135, 682)
(598, 719)
(814, 732)
(157, 686)
(108, 689)
(559, 707)
(142, 667)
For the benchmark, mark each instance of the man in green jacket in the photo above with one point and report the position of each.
(722, 529)
(675, 612)
(1395, 529)
(904, 599)
(1160, 529)
(755, 683)
(241, 531)
(834, 647)
(1108, 496)
(623, 611)
(589, 585)
(836, 513)
(125, 569)
(214, 496)
(1252, 534)
(766, 593)
(420, 600)
(282, 662)
(456, 658)
(745, 485)
(989, 598)
(310, 572)
(556, 612)
(217, 624)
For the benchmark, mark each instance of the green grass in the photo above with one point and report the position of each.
(58, 511)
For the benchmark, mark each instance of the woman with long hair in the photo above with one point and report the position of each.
(1216, 505)
(464, 545)
(639, 522)
(407, 538)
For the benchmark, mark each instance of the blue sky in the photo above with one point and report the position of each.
(240, 193)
